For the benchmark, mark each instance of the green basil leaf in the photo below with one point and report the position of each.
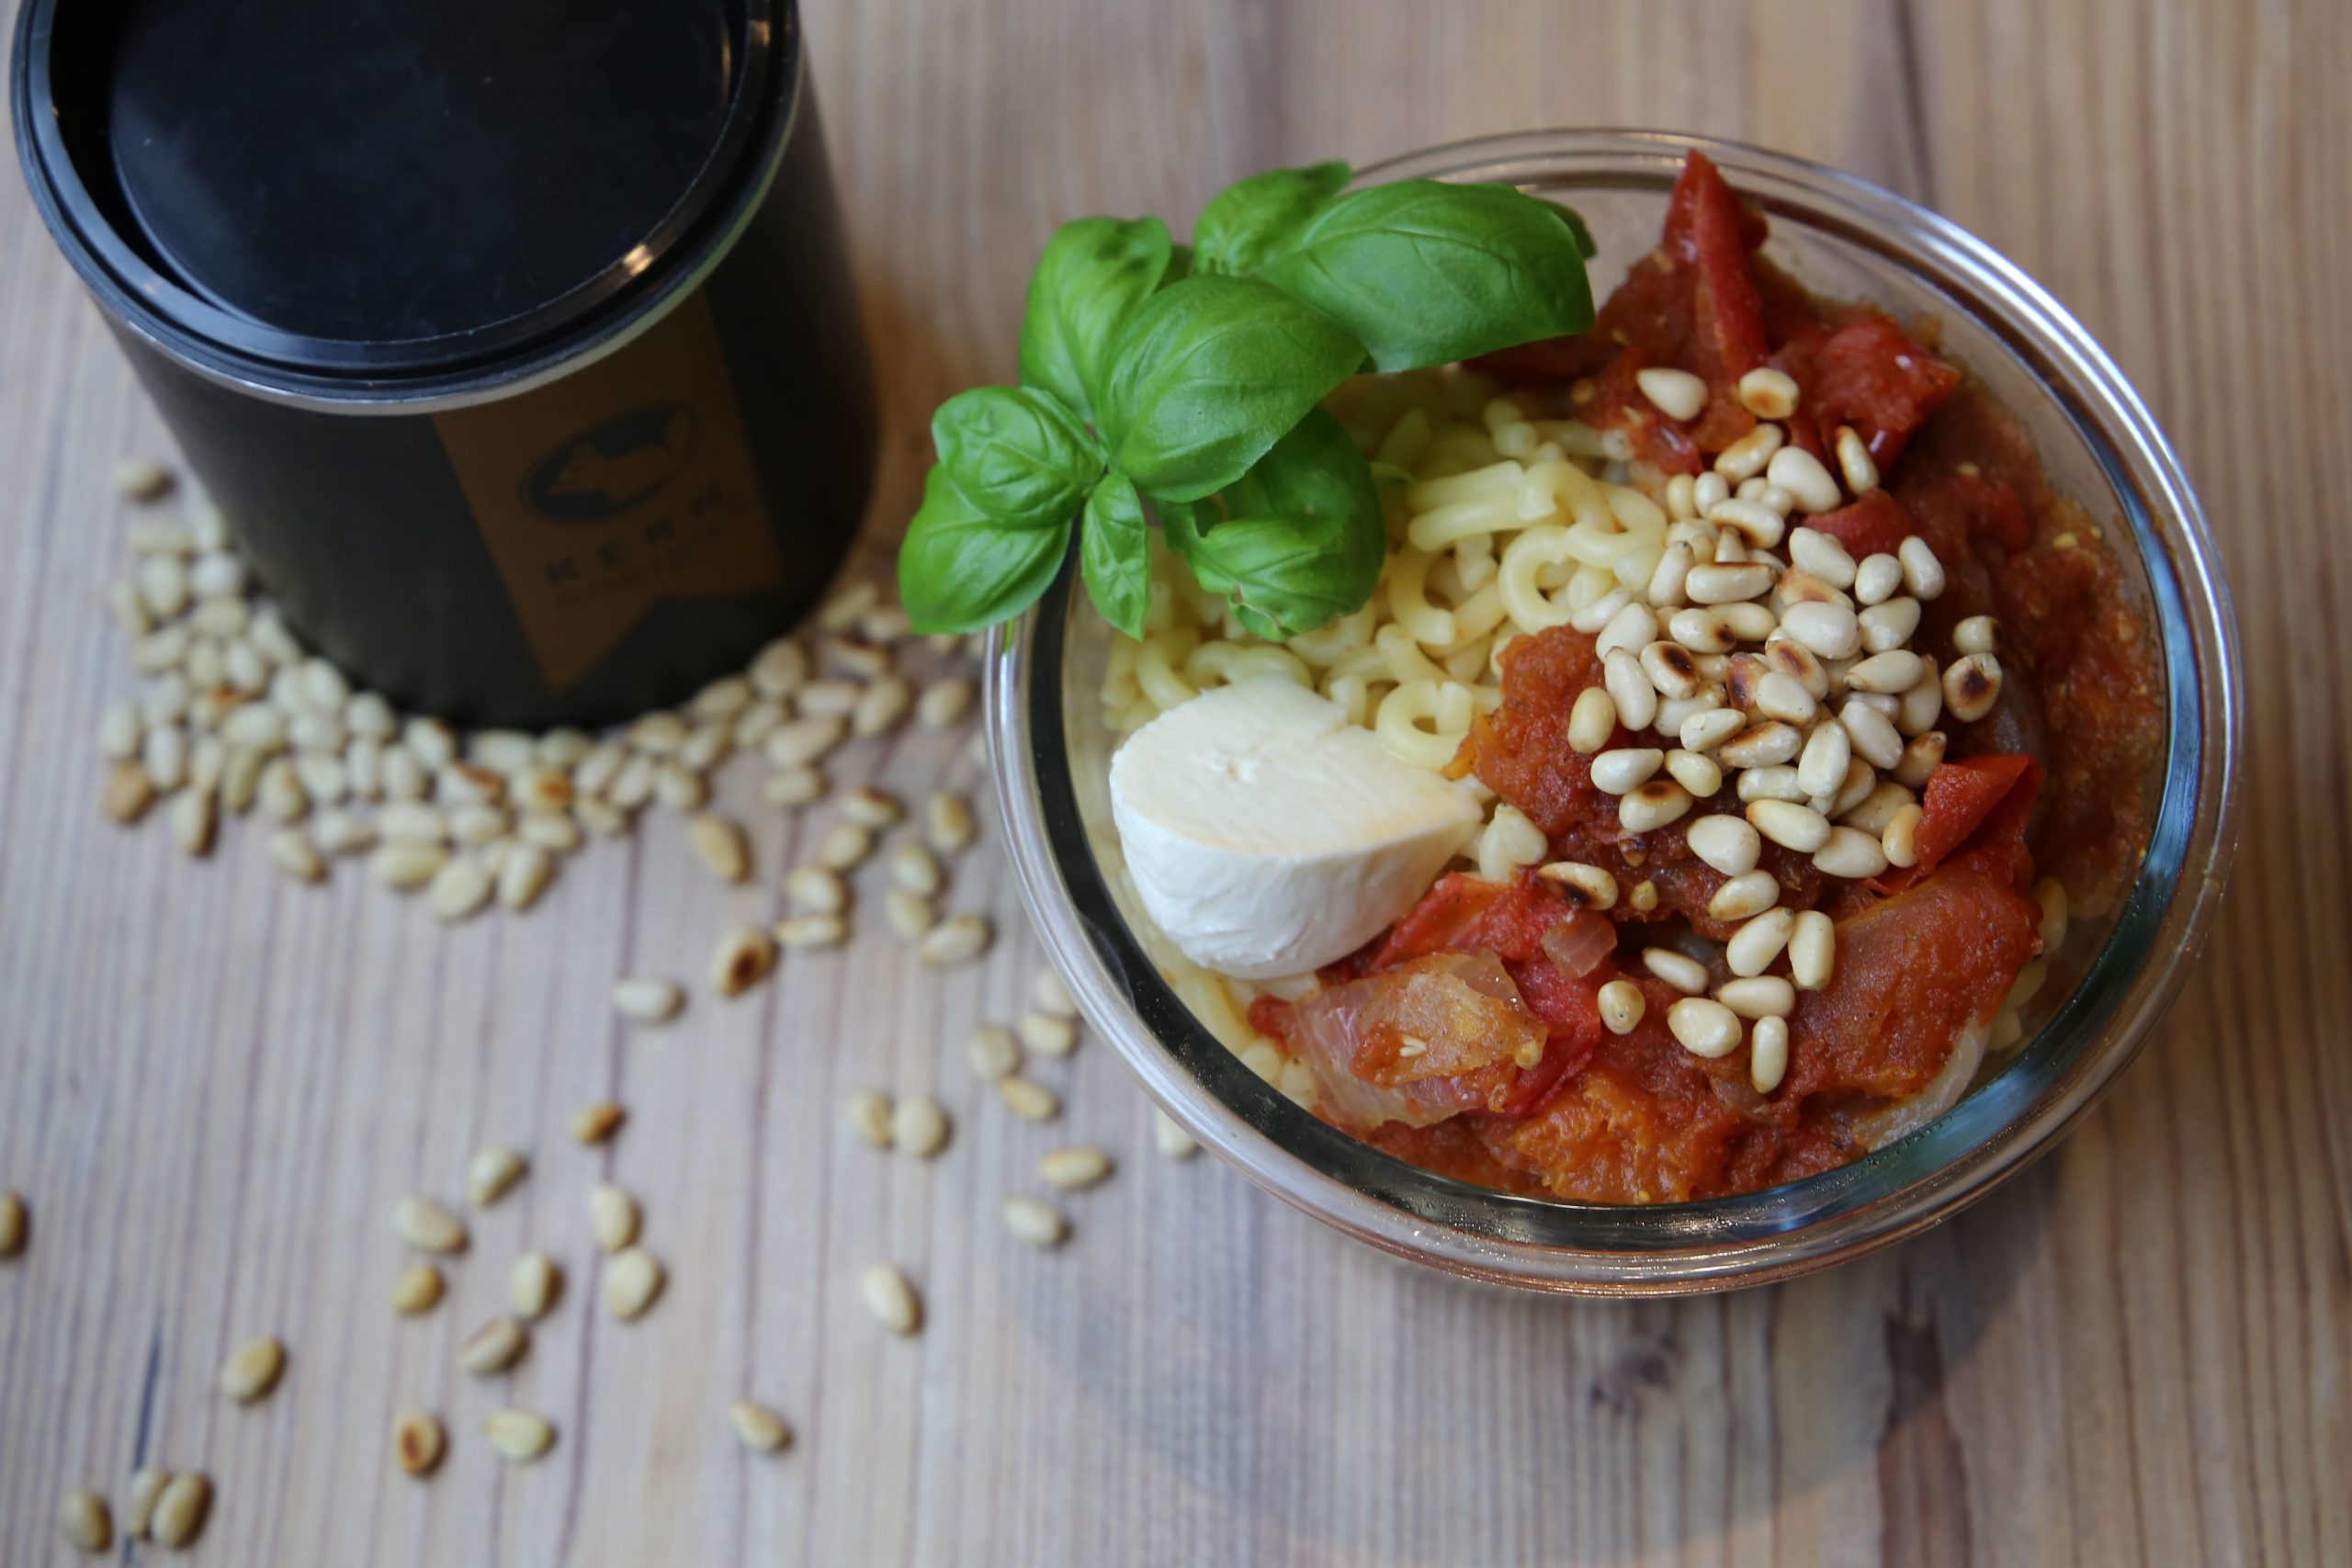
(1093, 273)
(1114, 554)
(1248, 222)
(1182, 524)
(1016, 451)
(962, 568)
(1587, 246)
(1302, 540)
(1209, 373)
(1426, 273)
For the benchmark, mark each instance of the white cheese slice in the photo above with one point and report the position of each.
(1267, 835)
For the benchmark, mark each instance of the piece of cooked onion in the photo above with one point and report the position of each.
(1938, 1095)
(1578, 943)
(1393, 1047)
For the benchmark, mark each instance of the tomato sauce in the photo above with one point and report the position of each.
(2035, 560)
(2052, 780)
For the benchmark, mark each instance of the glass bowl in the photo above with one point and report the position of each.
(1843, 238)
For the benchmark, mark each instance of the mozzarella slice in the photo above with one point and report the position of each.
(1267, 835)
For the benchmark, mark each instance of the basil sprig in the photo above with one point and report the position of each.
(1187, 385)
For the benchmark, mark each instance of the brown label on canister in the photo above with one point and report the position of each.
(627, 483)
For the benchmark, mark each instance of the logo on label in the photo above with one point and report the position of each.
(612, 468)
(643, 491)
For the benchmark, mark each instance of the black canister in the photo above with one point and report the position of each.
(516, 339)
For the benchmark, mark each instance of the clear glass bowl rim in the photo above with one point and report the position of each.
(1680, 1248)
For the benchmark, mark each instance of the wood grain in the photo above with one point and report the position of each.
(213, 1085)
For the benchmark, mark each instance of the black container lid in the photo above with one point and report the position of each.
(391, 187)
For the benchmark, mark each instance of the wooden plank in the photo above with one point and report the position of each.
(213, 1086)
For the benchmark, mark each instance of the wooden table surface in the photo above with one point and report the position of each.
(214, 1084)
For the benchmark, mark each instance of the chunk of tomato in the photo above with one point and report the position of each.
(1976, 808)
(1570, 1006)
(1875, 376)
(1912, 971)
(1521, 751)
(1873, 526)
(1710, 233)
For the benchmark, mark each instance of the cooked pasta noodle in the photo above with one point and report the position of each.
(1368, 663)
(1553, 484)
(1119, 687)
(1457, 449)
(1155, 671)
(1574, 437)
(1495, 654)
(1635, 512)
(1404, 658)
(1468, 663)
(1434, 495)
(1353, 692)
(1406, 440)
(1408, 599)
(1518, 439)
(1474, 562)
(1327, 645)
(1425, 722)
(1212, 999)
(1223, 663)
(1477, 617)
(1497, 413)
(1433, 531)
(1531, 609)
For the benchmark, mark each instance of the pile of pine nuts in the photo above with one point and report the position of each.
(237, 716)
